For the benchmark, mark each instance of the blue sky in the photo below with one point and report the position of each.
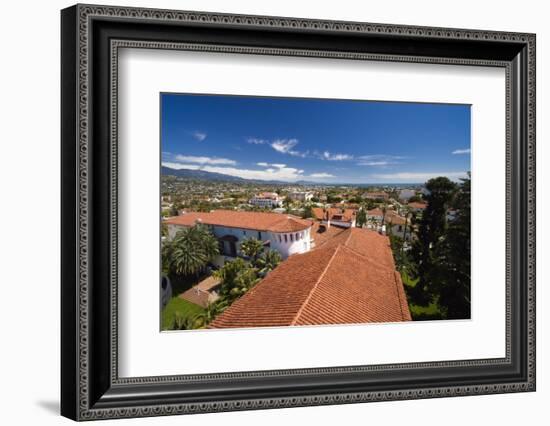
(321, 140)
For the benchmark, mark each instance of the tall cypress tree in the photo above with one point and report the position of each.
(426, 249)
(455, 275)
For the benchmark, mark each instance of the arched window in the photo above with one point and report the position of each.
(286, 240)
(292, 237)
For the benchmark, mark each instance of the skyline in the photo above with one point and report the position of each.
(319, 140)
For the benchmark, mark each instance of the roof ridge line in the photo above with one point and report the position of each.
(293, 322)
(399, 294)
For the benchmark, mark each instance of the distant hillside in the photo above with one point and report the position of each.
(204, 175)
(199, 174)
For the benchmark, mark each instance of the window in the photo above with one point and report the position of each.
(244, 232)
(259, 235)
(280, 239)
(286, 239)
(292, 237)
(297, 236)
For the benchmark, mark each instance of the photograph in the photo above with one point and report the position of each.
(306, 212)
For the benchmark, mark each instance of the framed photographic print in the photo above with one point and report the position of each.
(263, 212)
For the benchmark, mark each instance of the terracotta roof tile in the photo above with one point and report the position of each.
(321, 234)
(347, 215)
(260, 221)
(416, 205)
(350, 278)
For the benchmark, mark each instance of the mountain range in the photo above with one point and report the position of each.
(204, 175)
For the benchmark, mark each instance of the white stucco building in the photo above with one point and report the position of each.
(282, 232)
(266, 200)
(303, 196)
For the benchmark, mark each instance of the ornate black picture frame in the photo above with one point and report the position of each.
(91, 37)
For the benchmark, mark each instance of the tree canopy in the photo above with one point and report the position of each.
(189, 251)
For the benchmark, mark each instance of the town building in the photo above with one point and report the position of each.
(303, 196)
(282, 232)
(342, 217)
(373, 195)
(204, 293)
(405, 194)
(375, 215)
(266, 200)
(347, 278)
(417, 207)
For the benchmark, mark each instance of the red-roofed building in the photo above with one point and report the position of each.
(282, 232)
(266, 199)
(417, 207)
(350, 278)
(335, 216)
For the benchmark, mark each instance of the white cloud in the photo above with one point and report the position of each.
(461, 151)
(375, 163)
(326, 155)
(263, 164)
(285, 146)
(204, 160)
(417, 177)
(179, 166)
(321, 175)
(379, 160)
(256, 141)
(288, 174)
(200, 136)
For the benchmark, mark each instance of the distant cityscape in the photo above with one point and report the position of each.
(296, 231)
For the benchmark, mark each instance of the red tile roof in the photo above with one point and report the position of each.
(395, 219)
(350, 278)
(416, 205)
(375, 212)
(375, 194)
(347, 214)
(259, 221)
(321, 234)
(196, 296)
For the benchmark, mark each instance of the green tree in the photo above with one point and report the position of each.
(174, 209)
(361, 218)
(237, 277)
(207, 315)
(308, 211)
(252, 248)
(190, 251)
(427, 250)
(454, 260)
(268, 261)
(287, 204)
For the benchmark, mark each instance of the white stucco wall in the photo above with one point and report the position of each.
(296, 242)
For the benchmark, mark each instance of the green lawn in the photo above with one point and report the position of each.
(176, 304)
(419, 312)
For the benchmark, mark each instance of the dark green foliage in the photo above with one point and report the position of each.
(361, 218)
(237, 277)
(252, 247)
(441, 254)
(308, 211)
(268, 261)
(189, 251)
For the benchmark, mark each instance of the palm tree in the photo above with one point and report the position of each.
(268, 261)
(252, 248)
(190, 251)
